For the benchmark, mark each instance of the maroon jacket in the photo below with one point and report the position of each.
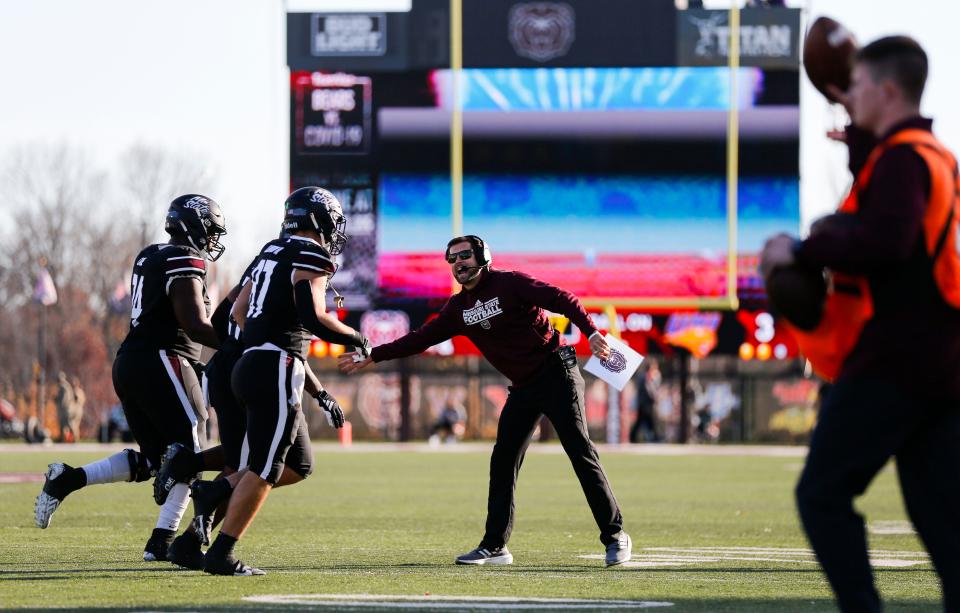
(504, 317)
(914, 336)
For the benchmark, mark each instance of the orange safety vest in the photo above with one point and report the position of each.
(849, 305)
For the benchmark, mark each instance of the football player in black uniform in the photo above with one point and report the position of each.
(177, 463)
(278, 311)
(155, 371)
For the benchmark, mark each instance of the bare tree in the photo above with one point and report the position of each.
(53, 195)
(60, 207)
(150, 177)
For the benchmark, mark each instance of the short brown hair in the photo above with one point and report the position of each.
(900, 59)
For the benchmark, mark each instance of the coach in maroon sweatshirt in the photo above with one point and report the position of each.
(502, 312)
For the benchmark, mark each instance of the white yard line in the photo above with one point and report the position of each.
(460, 603)
(692, 556)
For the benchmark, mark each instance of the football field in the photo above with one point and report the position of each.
(376, 527)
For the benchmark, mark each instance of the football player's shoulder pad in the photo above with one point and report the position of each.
(313, 257)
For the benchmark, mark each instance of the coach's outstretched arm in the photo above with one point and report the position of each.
(429, 334)
(186, 296)
(561, 301)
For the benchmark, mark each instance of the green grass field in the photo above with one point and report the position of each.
(711, 533)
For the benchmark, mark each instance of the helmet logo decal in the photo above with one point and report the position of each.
(200, 204)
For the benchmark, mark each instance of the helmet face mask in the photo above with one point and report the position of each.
(317, 210)
(214, 248)
(337, 239)
(198, 220)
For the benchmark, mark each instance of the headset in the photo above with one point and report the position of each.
(481, 250)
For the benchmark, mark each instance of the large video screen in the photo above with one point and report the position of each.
(598, 235)
(610, 182)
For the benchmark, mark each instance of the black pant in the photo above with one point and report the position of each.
(557, 392)
(861, 425)
(231, 417)
(161, 398)
(268, 383)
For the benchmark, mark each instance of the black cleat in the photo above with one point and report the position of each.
(185, 552)
(207, 496)
(52, 495)
(230, 568)
(167, 475)
(156, 548)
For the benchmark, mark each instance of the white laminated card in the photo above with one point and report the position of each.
(619, 367)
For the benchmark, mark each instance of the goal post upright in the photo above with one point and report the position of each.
(729, 301)
(733, 153)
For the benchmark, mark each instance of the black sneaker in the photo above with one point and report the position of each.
(166, 475)
(185, 552)
(156, 548)
(207, 496)
(482, 555)
(230, 568)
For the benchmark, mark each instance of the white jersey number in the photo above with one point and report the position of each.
(136, 299)
(261, 281)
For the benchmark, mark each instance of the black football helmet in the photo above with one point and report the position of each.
(200, 221)
(317, 210)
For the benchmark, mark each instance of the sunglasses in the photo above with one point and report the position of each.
(466, 254)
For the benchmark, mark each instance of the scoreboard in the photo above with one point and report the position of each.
(575, 127)
(331, 113)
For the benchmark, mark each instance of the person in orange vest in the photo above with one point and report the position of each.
(889, 336)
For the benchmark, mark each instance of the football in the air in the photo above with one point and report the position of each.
(828, 51)
(797, 293)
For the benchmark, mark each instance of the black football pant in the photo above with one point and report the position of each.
(161, 398)
(231, 417)
(557, 391)
(861, 425)
(268, 383)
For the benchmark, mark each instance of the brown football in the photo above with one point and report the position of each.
(828, 51)
(797, 293)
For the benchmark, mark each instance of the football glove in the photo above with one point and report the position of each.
(363, 350)
(331, 408)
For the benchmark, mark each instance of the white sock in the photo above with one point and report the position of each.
(172, 510)
(108, 470)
